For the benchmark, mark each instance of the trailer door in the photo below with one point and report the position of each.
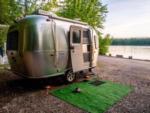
(76, 48)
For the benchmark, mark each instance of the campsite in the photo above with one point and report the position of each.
(74, 56)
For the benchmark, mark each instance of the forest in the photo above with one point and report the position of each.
(131, 41)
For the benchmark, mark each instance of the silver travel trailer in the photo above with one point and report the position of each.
(45, 45)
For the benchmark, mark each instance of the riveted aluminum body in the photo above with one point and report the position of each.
(39, 46)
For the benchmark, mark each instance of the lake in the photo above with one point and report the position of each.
(137, 52)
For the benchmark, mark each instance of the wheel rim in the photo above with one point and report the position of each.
(70, 76)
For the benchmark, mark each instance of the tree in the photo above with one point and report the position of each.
(30, 6)
(132, 41)
(10, 10)
(104, 43)
(90, 11)
(52, 4)
(3, 34)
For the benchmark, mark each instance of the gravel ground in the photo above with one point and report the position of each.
(130, 72)
(30, 96)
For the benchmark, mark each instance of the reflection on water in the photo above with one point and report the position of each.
(137, 52)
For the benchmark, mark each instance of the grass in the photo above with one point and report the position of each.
(93, 99)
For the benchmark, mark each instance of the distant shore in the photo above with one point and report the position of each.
(125, 58)
(130, 52)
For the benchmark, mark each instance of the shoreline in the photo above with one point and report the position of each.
(125, 58)
(130, 52)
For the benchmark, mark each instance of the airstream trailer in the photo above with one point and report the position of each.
(45, 45)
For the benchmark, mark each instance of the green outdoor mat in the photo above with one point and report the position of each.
(94, 97)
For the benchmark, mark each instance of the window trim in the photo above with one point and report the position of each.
(79, 31)
(89, 36)
(73, 27)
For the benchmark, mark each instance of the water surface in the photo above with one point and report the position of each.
(137, 52)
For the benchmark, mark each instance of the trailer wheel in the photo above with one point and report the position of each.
(70, 76)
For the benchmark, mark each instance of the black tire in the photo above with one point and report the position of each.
(70, 76)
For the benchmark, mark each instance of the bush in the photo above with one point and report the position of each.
(104, 43)
(3, 35)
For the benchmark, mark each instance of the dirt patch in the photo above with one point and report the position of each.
(19, 95)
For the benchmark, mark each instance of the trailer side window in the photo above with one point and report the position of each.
(12, 40)
(86, 33)
(76, 36)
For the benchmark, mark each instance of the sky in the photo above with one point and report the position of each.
(127, 18)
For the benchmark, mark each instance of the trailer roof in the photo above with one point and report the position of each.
(54, 16)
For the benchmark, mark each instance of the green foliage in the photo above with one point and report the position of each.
(31, 6)
(3, 35)
(90, 11)
(132, 41)
(50, 5)
(104, 43)
(10, 10)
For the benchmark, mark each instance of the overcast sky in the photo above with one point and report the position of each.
(128, 18)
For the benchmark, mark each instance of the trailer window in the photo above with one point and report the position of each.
(12, 40)
(86, 36)
(76, 36)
